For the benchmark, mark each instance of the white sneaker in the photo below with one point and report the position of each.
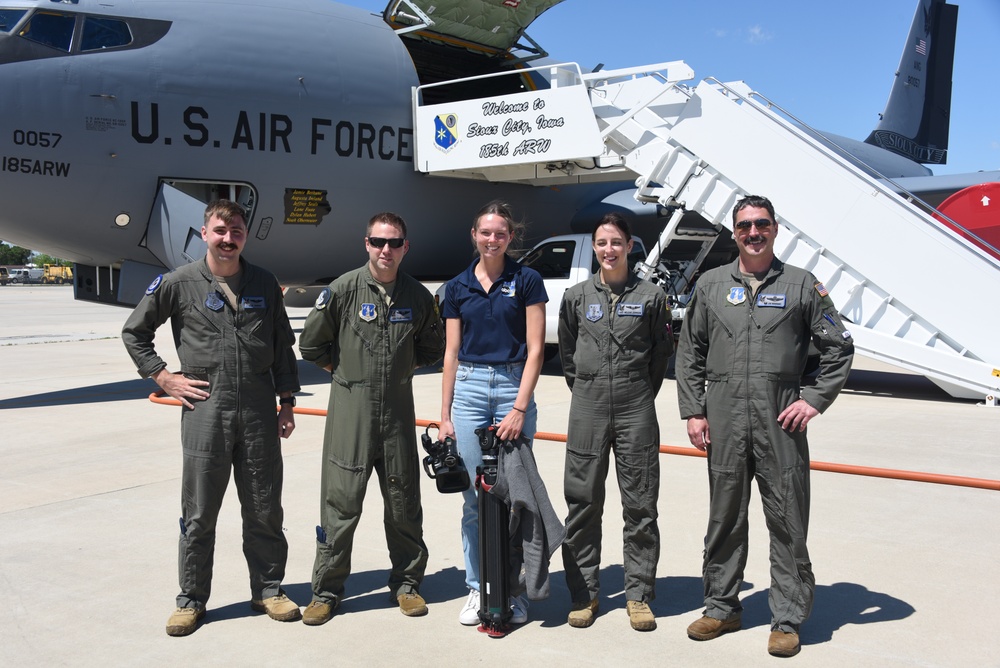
(519, 608)
(470, 611)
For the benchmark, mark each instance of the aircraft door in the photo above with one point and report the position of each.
(174, 232)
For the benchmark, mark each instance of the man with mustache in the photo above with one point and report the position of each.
(235, 343)
(740, 361)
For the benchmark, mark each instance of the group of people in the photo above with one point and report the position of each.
(740, 361)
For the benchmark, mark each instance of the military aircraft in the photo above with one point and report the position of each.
(121, 118)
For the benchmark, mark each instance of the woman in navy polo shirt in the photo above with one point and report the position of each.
(495, 322)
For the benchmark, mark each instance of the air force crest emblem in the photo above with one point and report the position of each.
(214, 301)
(594, 312)
(446, 131)
(367, 312)
(737, 296)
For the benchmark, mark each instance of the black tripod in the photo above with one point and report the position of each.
(494, 542)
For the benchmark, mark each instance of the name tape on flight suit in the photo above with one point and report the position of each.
(634, 310)
(773, 301)
(400, 315)
(251, 303)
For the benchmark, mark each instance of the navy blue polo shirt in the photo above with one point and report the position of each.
(494, 325)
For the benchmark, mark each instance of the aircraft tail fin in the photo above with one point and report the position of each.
(917, 115)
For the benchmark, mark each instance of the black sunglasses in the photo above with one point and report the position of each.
(379, 242)
(761, 223)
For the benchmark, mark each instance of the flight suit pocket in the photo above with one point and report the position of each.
(400, 497)
(783, 390)
(201, 340)
(344, 485)
(637, 470)
(258, 336)
(582, 476)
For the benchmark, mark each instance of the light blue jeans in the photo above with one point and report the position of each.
(484, 394)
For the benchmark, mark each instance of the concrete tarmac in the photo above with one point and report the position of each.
(89, 469)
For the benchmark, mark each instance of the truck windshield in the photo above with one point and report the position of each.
(554, 260)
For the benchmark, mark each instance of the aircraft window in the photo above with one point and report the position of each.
(100, 33)
(55, 30)
(10, 17)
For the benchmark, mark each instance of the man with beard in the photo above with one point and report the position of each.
(740, 361)
(235, 343)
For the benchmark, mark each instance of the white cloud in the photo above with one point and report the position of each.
(757, 35)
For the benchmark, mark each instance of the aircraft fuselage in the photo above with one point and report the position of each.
(304, 110)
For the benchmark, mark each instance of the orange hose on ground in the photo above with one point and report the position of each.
(687, 451)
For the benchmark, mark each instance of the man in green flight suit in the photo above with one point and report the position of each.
(235, 347)
(740, 360)
(371, 328)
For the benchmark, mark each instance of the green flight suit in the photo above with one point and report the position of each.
(740, 362)
(614, 356)
(246, 354)
(373, 350)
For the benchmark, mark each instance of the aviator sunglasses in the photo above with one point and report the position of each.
(379, 242)
(760, 223)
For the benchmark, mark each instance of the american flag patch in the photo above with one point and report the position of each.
(821, 290)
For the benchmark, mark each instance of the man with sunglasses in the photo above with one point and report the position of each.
(740, 362)
(371, 328)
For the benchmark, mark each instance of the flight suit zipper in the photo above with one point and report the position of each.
(239, 361)
(747, 347)
(383, 362)
(608, 341)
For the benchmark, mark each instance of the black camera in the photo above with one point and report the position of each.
(443, 464)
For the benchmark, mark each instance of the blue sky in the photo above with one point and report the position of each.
(831, 64)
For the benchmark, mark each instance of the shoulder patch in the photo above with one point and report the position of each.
(323, 300)
(155, 285)
(821, 289)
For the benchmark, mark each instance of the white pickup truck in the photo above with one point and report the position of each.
(563, 262)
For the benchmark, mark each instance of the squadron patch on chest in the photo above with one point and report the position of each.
(367, 312)
(214, 301)
(737, 296)
(509, 289)
(594, 312)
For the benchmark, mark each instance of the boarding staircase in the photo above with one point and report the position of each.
(917, 294)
